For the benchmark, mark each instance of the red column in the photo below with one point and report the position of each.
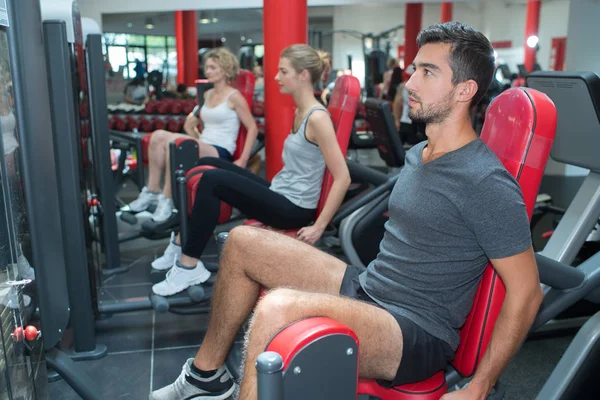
(186, 41)
(412, 27)
(532, 25)
(446, 12)
(285, 22)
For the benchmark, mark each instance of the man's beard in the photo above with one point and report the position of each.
(435, 113)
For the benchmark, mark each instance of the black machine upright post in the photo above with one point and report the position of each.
(66, 142)
(40, 180)
(100, 134)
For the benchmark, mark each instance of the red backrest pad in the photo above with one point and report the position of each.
(519, 128)
(342, 107)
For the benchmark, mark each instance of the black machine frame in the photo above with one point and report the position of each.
(44, 172)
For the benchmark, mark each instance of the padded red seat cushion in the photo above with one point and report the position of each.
(146, 147)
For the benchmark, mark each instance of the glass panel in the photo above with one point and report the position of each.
(135, 40)
(157, 59)
(109, 38)
(130, 71)
(137, 61)
(20, 372)
(120, 38)
(171, 41)
(155, 41)
(117, 56)
(171, 74)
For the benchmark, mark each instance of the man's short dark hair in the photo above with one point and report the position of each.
(471, 55)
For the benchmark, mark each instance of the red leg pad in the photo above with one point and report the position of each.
(193, 179)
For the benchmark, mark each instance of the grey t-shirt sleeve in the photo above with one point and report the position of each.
(495, 212)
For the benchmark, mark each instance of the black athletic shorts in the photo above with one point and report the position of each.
(423, 355)
(223, 153)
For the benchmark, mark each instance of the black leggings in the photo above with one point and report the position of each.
(243, 190)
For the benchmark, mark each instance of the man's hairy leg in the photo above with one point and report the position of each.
(378, 331)
(253, 258)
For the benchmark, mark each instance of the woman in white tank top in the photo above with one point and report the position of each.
(223, 110)
(290, 200)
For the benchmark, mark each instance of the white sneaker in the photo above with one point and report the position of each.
(145, 199)
(179, 279)
(220, 386)
(164, 209)
(170, 257)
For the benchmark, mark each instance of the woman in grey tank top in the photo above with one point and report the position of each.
(290, 201)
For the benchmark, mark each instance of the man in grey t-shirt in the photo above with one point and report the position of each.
(453, 209)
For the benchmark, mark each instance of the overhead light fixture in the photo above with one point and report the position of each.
(149, 23)
(129, 25)
(243, 38)
(215, 20)
(223, 40)
(249, 40)
(204, 18)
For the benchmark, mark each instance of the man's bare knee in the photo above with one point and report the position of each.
(238, 241)
(239, 238)
(276, 308)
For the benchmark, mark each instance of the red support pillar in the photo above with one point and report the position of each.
(532, 26)
(412, 27)
(285, 22)
(186, 42)
(446, 12)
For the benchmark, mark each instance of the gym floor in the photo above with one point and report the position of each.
(146, 349)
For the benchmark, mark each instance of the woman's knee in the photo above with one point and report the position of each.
(209, 179)
(159, 138)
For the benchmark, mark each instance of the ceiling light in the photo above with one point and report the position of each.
(249, 40)
(243, 38)
(129, 24)
(149, 23)
(532, 41)
(223, 40)
(204, 21)
(215, 20)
